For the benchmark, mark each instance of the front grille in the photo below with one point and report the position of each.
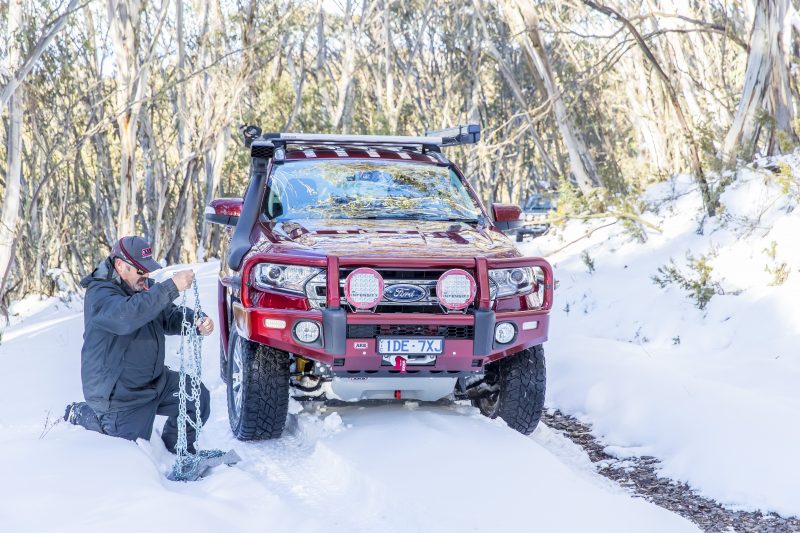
(370, 331)
(406, 276)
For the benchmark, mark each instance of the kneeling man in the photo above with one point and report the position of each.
(126, 315)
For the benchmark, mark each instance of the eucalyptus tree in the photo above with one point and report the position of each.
(765, 106)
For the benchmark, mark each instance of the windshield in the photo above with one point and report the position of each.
(540, 202)
(367, 189)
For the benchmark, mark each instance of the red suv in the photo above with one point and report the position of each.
(365, 267)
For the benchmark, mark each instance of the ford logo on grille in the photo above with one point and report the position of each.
(404, 293)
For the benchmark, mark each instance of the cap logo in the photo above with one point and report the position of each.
(146, 252)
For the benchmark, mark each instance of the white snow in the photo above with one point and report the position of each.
(711, 393)
(392, 468)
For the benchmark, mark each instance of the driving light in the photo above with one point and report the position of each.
(504, 332)
(363, 288)
(456, 289)
(289, 278)
(306, 331)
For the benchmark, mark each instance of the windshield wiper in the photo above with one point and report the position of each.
(416, 216)
(469, 220)
(382, 217)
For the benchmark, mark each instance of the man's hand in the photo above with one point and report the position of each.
(183, 279)
(205, 326)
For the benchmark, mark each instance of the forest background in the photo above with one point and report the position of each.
(122, 116)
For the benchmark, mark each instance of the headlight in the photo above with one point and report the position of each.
(511, 281)
(290, 278)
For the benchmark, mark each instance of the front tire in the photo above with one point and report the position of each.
(258, 389)
(518, 397)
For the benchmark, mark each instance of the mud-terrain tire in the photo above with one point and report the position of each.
(259, 375)
(521, 381)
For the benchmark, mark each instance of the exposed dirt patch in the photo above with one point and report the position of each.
(639, 476)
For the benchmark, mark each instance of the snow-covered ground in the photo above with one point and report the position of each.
(714, 393)
(387, 468)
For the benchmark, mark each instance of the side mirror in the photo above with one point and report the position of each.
(224, 211)
(506, 216)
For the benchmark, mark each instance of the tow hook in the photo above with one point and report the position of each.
(400, 364)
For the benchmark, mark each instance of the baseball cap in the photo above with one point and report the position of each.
(136, 251)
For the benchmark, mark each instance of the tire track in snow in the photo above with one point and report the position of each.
(303, 468)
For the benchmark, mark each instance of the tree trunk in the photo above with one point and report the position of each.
(213, 169)
(11, 198)
(694, 156)
(525, 25)
(20, 72)
(124, 18)
(517, 92)
(766, 97)
(645, 117)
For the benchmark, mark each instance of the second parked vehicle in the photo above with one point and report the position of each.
(536, 215)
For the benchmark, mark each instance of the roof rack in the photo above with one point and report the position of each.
(463, 134)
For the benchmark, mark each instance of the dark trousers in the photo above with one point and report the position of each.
(137, 423)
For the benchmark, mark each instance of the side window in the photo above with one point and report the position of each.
(274, 206)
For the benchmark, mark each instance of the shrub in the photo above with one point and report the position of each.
(779, 271)
(695, 278)
(588, 261)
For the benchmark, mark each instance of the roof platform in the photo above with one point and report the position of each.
(264, 145)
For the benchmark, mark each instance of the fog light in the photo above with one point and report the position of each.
(504, 332)
(306, 331)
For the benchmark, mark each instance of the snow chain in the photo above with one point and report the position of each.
(190, 353)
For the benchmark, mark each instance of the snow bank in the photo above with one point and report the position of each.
(712, 393)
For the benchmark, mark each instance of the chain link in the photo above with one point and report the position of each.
(190, 354)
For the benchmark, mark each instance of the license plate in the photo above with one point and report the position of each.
(408, 346)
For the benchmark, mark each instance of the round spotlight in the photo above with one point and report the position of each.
(306, 331)
(504, 332)
(456, 289)
(363, 288)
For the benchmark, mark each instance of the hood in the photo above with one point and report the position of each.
(418, 238)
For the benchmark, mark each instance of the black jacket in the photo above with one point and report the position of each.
(122, 360)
